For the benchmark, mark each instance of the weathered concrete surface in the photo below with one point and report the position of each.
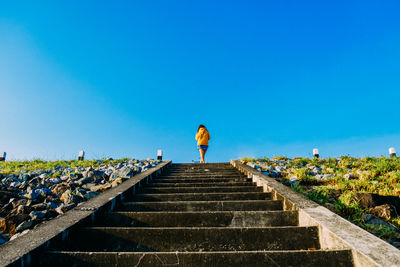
(333, 258)
(199, 219)
(181, 189)
(335, 232)
(215, 184)
(189, 239)
(250, 205)
(17, 251)
(200, 180)
(202, 196)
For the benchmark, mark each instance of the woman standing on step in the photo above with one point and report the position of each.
(202, 137)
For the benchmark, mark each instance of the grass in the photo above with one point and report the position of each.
(17, 167)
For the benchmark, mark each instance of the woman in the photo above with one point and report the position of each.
(202, 137)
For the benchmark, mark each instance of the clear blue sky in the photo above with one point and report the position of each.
(266, 77)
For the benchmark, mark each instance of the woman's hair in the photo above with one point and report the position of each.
(201, 126)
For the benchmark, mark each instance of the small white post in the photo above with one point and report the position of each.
(159, 154)
(392, 152)
(3, 156)
(316, 152)
(81, 155)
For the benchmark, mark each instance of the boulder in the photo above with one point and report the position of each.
(11, 221)
(124, 172)
(22, 209)
(65, 195)
(19, 234)
(32, 195)
(116, 182)
(60, 188)
(369, 200)
(383, 211)
(100, 188)
(85, 180)
(64, 208)
(24, 225)
(37, 215)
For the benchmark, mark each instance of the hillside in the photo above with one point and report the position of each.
(363, 190)
(32, 192)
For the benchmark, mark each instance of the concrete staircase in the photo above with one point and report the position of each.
(196, 215)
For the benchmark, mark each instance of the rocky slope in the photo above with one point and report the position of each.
(35, 191)
(363, 190)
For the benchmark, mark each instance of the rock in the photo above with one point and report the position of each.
(323, 177)
(79, 192)
(25, 177)
(124, 172)
(3, 239)
(109, 171)
(10, 222)
(24, 225)
(43, 191)
(60, 188)
(56, 180)
(19, 234)
(64, 208)
(383, 211)
(380, 222)
(37, 215)
(88, 186)
(100, 188)
(116, 182)
(40, 206)
(85, 180)
(96, 175)
(315, 170)
(367, 217)
(267, 173)
(32, 195)
(22, 209)
(369, 200)
(15, 184)
(89, 169)
(349, 176)
(65, 195)
(278, 169)
(251, 164)
(19, 202)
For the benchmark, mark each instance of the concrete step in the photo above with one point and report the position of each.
(300, 258)
(205, 173)
(200, 196)
(199, 171)
(161, 190)
(199, 180)
(129, 239)
(215, 184)
(200, 165)
(198, 219)
(166, 176)
(238, 205)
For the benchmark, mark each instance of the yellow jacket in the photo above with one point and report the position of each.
(202, 137)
